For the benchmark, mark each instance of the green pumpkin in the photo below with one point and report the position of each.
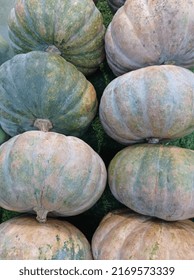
(40, 90)
(154, 180)
(71, 28)
(23, 238)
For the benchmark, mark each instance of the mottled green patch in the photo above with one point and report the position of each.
(153, 251)
(69, 252)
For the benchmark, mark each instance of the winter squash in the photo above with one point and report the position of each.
(154, 180)
(73, 29)
(115, 4)
(3, 136)
(124, 235)
(144, 33)
(58, 174)
(154, 103)
(40, 90)
(4, 49)
(23, 238)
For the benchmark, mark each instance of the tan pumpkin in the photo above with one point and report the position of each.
(49, 172)
(154, 180)
(23, 238)
(123, 235)
(154, 103)
(144, 33)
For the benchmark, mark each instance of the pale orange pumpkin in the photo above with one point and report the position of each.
(144, 33)
(23, 238)
(124, 235)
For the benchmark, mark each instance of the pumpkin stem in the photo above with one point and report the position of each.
(53, 49)
(153, 140)
(41, 214)
(43, 124)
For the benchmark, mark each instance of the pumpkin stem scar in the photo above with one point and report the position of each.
(53, 49)
(43, 124)
(153, 140)
(41, 214)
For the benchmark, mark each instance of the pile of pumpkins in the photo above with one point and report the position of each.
(47, 103)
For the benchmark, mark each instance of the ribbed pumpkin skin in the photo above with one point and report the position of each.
(4, 48)
(152, 102)
(57, 174)
(23, 238)
(144, 33)
(75, 28)
(40, 85)
(123, 235)
(154, 180)
(115, 4)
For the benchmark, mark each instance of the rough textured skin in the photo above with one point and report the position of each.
(75, 28)
(49, 172)
(154, 180)
(115, 4)
(23, 238)
(123, 235)
(4, 49)
(40, 85)
(155, 102)
(144, 33)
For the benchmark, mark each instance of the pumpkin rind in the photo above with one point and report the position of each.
(57, 173)
(23, 238)
(75, 28)
(40, 85)
(152, 102)
(154, 180)
(123, 235)
(4, 49)
(116, 4)
(148, 33)
(3, 136)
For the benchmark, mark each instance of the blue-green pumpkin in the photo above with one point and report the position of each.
(42, 91)
(73, 29)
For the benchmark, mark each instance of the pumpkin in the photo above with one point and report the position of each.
(57, 173)
(154, 103)
(23, 238)
(123, 235)
(73, 29)
(115, 4)
(4, 49)
(3, 136)
(40, 90)
(154, 180)
(144, 33)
